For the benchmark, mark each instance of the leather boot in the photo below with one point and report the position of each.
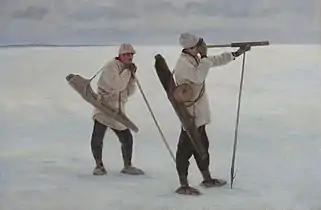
(185, 189)
(183, 181)
(208, 181)
(99, 169)
(131, 170)
(206, 175)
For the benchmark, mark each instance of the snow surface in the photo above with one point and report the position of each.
(45, 129)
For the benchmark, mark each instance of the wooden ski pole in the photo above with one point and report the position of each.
(154, 118)
(232, 173)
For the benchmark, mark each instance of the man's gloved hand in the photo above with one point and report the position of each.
(241, 50)
(131, 67)
(202, 49)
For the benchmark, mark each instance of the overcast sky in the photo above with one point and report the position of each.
(156, 21)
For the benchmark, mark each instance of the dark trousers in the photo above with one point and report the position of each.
(125, 137)
(185, 150)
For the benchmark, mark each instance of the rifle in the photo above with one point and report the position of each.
(239, 44)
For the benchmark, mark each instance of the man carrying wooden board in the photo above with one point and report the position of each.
(116, 83)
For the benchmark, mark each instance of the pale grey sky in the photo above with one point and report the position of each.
(156, 21)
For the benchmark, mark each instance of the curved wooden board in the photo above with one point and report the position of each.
(168, 83)
(82, 86)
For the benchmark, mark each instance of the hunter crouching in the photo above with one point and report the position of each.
(192, 69)
(115, 85)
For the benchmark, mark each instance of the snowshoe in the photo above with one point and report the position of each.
(99, 170)
(213, 183)
(187, 190)
(131, 170)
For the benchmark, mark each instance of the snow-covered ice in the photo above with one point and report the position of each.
(45, 129)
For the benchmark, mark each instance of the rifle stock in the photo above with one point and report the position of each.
(240, 44)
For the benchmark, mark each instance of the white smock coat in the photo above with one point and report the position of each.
(115, 85)
(193, 70)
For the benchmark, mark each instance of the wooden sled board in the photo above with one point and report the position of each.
(82, 86)
(168, 83)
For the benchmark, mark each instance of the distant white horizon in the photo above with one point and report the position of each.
(156, 21)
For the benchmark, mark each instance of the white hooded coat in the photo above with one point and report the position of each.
(193, 70)
(115, 85)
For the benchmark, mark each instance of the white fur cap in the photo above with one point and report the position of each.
(187, 40)
(126, 48)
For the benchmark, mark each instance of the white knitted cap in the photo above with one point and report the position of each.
(187, 40)
(126, 48)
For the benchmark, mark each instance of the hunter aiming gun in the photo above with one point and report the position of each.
(240, 44)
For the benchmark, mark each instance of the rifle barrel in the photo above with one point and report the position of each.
(239, 44)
